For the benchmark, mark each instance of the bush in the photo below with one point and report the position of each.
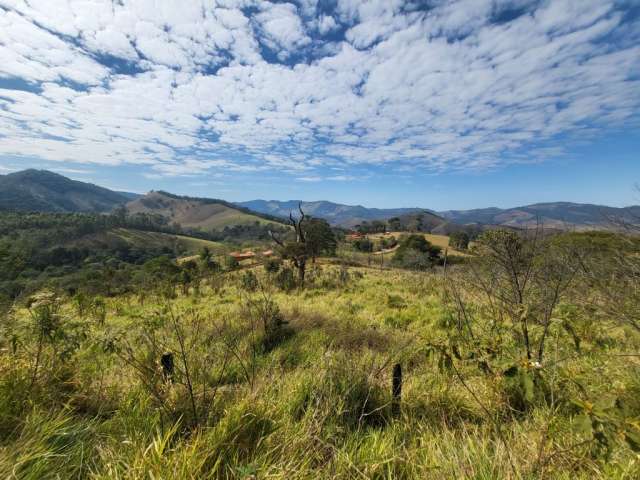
(231, 263)
(285, 279)
(416, 253)
(249, 281)
(272, 265)
(459, 240)
(363, 245)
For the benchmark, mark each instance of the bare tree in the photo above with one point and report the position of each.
(295, 251)
(518, 279)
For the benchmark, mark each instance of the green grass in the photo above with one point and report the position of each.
(314, 406)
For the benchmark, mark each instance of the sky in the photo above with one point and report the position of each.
(442, 104)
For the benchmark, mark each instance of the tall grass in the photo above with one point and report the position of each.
(316, 404)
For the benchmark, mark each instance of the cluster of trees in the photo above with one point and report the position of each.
(238, 233)
(375, 226)
(459, 240)
(37, 248)
(366, 245)
(363, 245)
(416, 253)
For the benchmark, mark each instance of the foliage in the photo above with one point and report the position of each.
(285, 280)
(363, 245)
(249, 281)
(320, 239)
(231, 263)
(272, 265)
(459, 240)
(416, 253)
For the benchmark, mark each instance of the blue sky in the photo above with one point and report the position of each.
(433, 103)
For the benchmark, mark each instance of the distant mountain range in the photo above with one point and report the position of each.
(334, 213)
(41, 190)
(560, 215)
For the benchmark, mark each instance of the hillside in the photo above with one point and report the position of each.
(138, 239)
(335, 213)
(44, 191)
(198, 213)
(422, 221)
(561, 215)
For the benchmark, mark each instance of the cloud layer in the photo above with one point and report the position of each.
(247, 85)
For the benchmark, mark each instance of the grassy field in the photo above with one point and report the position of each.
(313, 401)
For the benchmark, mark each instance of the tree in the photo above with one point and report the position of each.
(205, 254)
(524, 276)
(416, 252)
(188, 275)
(459, 240)
(296, 250)
(363, 245)
(320, 238)
(395, 224)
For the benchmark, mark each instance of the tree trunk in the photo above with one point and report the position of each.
(302, 267)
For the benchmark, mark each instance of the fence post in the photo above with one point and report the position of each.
(396, 389)
(167, 366)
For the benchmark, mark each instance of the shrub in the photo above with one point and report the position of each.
(459, 240)
(272, 265)
(396, 301)
(249, 281)
(285, 280)
(231, 263)
(363, 245)
(416, 253)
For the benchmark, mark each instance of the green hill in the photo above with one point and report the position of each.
(44, 191)
(133, 238)
(197, 213)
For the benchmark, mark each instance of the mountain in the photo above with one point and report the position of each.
(199, 213)
(561, 215)
(335, 213)
(41, 190)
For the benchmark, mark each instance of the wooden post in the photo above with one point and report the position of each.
(396, 389)
(167, 366)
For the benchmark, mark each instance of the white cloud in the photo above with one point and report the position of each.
(452, 87)
(326, 24)
(281, 28)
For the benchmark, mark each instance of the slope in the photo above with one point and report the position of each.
(561, 215)
(44, 191)
(197, 213)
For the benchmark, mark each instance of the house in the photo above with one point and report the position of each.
(242, 255)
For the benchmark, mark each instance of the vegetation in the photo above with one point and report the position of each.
(40, 190)
(459, 240)
(200, 214)
(415, 252)
(519, 362)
